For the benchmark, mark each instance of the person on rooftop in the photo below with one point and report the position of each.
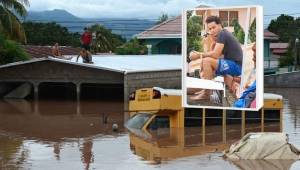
(85, 55)
(56, 51)
(86, 39)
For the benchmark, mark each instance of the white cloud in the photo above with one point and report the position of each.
(151, 8)
(115, 8)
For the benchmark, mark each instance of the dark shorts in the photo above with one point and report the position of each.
(86, 46)
(228, 67)
(87, 59)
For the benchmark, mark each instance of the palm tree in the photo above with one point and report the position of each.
(10, 24)
(104, 39)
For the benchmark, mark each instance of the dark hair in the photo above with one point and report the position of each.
(213, 19)
(85, 28)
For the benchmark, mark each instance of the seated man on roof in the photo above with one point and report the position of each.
(55, 51)
(85, 55)
(213, 64)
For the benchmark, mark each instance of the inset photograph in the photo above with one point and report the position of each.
(220, 57)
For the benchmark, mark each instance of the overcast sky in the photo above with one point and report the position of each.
(152, 8)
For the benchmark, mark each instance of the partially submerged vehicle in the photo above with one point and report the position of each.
(160, 128)
(152, 108)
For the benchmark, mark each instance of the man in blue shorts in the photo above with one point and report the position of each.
(213, 63)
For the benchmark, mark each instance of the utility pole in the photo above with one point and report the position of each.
(296, 52)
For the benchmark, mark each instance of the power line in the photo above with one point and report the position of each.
(281, 14)
(137, 19)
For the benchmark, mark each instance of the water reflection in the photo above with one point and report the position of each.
(12, 154)
(87, 156)
(70, 135)
(29, 130)
(56, 120)
(264, 164)
(165, 144)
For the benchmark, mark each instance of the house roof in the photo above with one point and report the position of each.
(279, 51)
(279, 45)
(168, 29)
(123, 64)
(44, 51)
(172, 29)
(268, 35)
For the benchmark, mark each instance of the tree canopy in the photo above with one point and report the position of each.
(162, 18)
(194, 27)
(104, 40)
(286, 27)
(238, 31)
(11, 51)
(49, 34)
(133, 47)
(10, 24)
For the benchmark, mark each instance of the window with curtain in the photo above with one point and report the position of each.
(227, 17)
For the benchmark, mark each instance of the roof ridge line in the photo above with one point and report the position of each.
(158, 25)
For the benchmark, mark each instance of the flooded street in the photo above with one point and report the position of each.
(71, 135)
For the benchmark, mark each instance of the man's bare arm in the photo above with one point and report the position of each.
(216, 53)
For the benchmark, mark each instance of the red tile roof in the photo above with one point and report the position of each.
(45, 51)
(279, 51)
(270, 35)
(168, 29)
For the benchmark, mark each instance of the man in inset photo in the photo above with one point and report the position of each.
(224, 59)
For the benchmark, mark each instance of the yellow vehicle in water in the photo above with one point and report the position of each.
(152, 108)
(172, 143)
(161, 129)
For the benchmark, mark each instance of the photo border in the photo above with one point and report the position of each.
(259, 58)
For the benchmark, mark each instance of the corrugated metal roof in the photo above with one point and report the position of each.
(136, 63)
(120, 63)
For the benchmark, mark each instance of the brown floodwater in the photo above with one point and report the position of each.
(68, 135)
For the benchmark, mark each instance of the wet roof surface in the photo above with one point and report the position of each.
(120, 63)
(136, 63)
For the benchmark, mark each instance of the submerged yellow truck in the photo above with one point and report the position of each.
(152, 108)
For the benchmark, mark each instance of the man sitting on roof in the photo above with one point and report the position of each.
(56, 52)
(229, 66)
(86, 56)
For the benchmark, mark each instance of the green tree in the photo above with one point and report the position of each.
(162, 18)
(288, 59)
(11, 51)
(194, 27)
(10, 25)
(104, 40)
(49, 34)
(285, 27)
(133, 47)
(238, 31)
(288, 29)
(252, 31)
